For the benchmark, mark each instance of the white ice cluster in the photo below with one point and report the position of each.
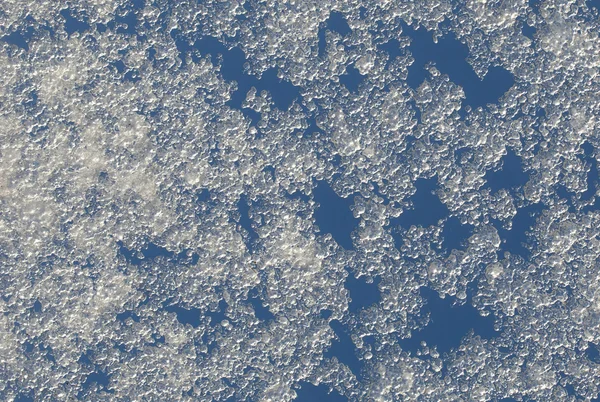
(161, 235)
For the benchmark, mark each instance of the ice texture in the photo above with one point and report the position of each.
(285, 200)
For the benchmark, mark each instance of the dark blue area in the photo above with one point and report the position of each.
(525, 399)
(158, 340)
(98, 377)
(593, 3)
(448, 324)
(204, 202)
(232, 62)
(72, 24)
(186, 316)
(119, 66)
(283, 92)
(152, 251)
(28, 346)
(535, 5)
(540, 113)
(571, 391)
(427, 209)
(131, 76)
(326, 313)
(203, 195)
(344, 349)
(260, 311)
(592, 353)
(228, 383)
(253, 115)
(312, 129)
(271, 171)
(311, 393)
(352, 79)
(455, 234)
(217, 316)
(450, 57)
(193, 316)
(19, 38)
(32, 100)
(335, 23)
(515, 239)
(126, 19)
(592, 178)
(37, 306)
(362, 293)
(334, 215)
(126, 349)
(132, 256)
(84, 359)
(362, 12)
(509, 176)
(392, 48)
(128, 314)
(528, 31)
(246, 222)
(29, 397)
(49, 352)
(378, 193)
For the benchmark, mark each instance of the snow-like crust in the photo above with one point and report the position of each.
(122, 135)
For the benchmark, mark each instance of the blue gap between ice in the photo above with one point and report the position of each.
(261, 311)
(72, 24)
(592, 353)
(362, 293)
(352, 79)
(593, 4)
(509, 176)
(98, 377)
(528, 31)
(29, 397)
(283, 92)
(334, 215)
(193, 316)
(515, 239)
(335, 23)
(20, 38)
(455, 234)
(246, 223)
(308, 392)
(450, 55)
(427, 209)
(344, 349)
(448, 324)
(126, 19)
(592, 178)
